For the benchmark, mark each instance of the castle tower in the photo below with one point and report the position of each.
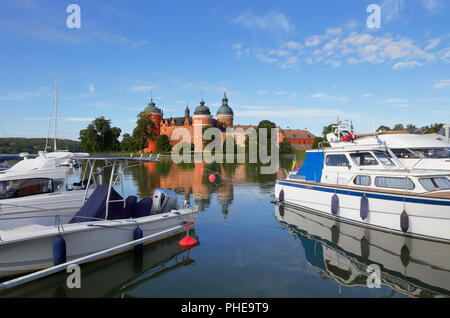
(201, 118)
(187, 112)
(155, 115)
(225, 113)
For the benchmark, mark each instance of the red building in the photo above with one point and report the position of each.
(299, 139)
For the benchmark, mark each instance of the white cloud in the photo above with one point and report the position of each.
(327, 97)
(68, 119)
(290, 112)
(431, 5)
(91, 88)
(272, 21)
(261, 92)
(280, 93)
(433, 43)
(402, 65)
(442, 84)
(312, 41)
(391, 9)
(395, 101)
(142, 88)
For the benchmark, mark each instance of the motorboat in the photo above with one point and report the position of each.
(415, 151)
(367, 184)
(40, 185)
(107, 220)
(119, 274)
(347, 254)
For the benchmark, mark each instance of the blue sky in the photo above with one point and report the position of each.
(298, 63)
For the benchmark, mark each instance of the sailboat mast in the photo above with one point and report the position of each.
(56, 94)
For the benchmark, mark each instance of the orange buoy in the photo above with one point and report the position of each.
(212, 178)
(188, 242)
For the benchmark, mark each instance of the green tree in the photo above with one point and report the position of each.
(234, 145)
(383, 128)
(267, 124)
(128, 144)
(398, 127)
(433, 129)
(163, 144)
(286, 147)
(327, 129)
(99, 136)
(145, 130)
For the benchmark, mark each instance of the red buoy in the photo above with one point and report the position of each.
(212, 178)
(188, 242)
(202, 170)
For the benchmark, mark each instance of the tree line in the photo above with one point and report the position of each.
(33, 145)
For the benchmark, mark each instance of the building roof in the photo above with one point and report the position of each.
(297, 134)
(151, 108)
(179, 121)
(202, 109)
(225, 109)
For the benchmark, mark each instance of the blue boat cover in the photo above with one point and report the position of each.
(312, 166)
(95, 207)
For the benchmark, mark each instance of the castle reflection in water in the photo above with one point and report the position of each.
(192, 181)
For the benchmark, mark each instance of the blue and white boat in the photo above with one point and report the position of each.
(366, 184)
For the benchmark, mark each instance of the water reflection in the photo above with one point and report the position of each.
(191, 180)
(116, 276)
(413, 267)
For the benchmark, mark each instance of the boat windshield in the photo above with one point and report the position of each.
(383, 158)
(403, 153)
(434, 153)
(25, 187)
(364, 159)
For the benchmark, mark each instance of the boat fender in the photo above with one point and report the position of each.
(59, 251)
(364, 249)
(404, 255)
(335, 234)
(138, 234)
(281, 210)
(404, 221)
(281, 196)
(334, 204)
(364, 207)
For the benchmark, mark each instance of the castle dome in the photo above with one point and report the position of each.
(151, 108)
(202, 109)
(224, 109)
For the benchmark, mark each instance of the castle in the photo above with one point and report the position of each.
(202, 118)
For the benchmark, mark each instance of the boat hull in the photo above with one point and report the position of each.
(33, 249)
(428, 218)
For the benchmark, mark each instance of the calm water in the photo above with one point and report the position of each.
(250, 247)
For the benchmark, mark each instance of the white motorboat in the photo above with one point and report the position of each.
(366, 184)
(40, 185)
(106, 220)
(344, 252)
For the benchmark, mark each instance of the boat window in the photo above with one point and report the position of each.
(383, 158)
(337, 161)
(404, 153)
(394, 183)
(362, 180)
(435, 184)
(434, 153)
(364, 159)
(25, 187)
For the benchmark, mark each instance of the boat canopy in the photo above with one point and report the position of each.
(312, 166)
